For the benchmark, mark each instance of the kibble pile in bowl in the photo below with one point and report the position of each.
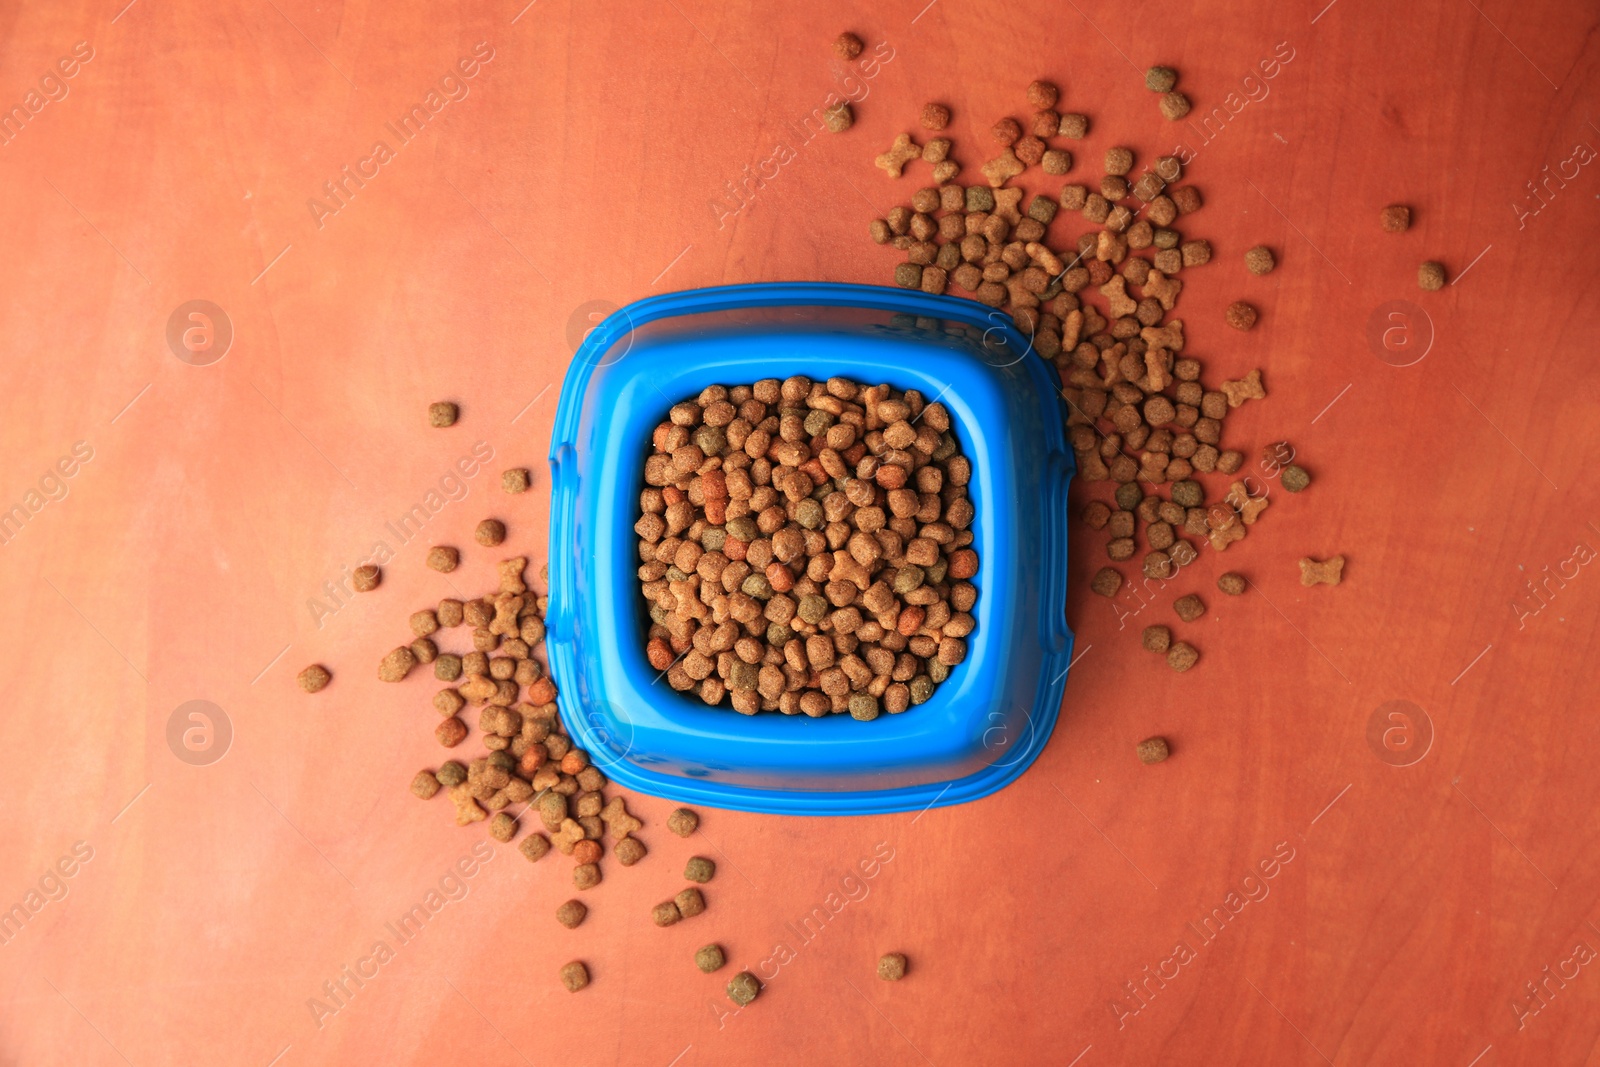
(805, 547)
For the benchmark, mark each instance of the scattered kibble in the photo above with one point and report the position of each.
(1232, 583)
(935, 117)
(1157, 638)
(1160, 79)
(1326, 572)
(1430, 276)
(1396, 218)
(1241, 316)
(1295, 478)
(366, 578)
(490, 532)
(892, 966)
(690, 902)
(710, 958)
(586, 875)
(1107, 581)
(838, 118)
(847, 46)
(699, 869)
(442, 414)
(683, 822)
(397, 664)
(1174, 106)
(444, 559)
(628, 851)
(572, 913)
(1181, 656)
(424, 785)
(1259, 260)
(903, 151)
(574, 976)
(1189, 608)
(1042, 94)
(665, 913)
(743, 988)
(515, 480)
(315, 678)
(1152, 750)
(534, 847)
(502, 827)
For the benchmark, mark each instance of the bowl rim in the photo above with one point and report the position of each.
(596, 728)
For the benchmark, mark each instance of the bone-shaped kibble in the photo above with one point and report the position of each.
(1247, 388)
(1008, 205)
(1169, 336)
(1002, 168)
(1163, 288)
(511, 575)
(619, 823)
(903, 151)
(467, 810)
(1221, 538)
(1158, 370)
(507, 606)
(945, 170)
(1119, 302)
(1328, 572)
(1249, 507)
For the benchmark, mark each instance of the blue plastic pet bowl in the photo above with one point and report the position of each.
(985, 724)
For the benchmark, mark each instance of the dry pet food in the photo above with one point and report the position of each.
(628, 851)
(1259, 260)
(315, 678)
(424, 785)
(490, 532)
(502, 827)
(847, 46)
(892, 966)
(1295, 478)
(699, 869)
(572, 913)
(839, 117)
(1181, 656)
(1327, 572)
(534, 847)
(1160, 79)
(1189, 608)
(690, 902)
(574, 976)
(1396, 218)
(903, 151)
(1152, 750)
(683, 822)
(935, 117)
(444, 559)
(1107, 581)
(1157, 638)
(1233, 584)
(366, 578)
(397, 664)
(442, 414)
(665, 913)
(743, 988)
(1430, 276)
(515, 480)
(710, 958)
(805, 545)
(1241, 316)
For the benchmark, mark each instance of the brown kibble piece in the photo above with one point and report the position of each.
(1152, 750)
(1396, 218)
(1181, 656)
(534, 847)
(515, 480)
(366, 578)
(699, 869)
(490, 532)
(1189, 608)
(710, 958)
(935, 117)
(665, 914)
(315, 678)
(628, 851)
(683, 822)
(442, 414)
(892, 966)
(1107, 581)
(502, 827)
(690, 902)
(1259, 260)
(574, 976)
(1174, 106)
(847, 46)
(1160, 79)
(743, 988)
(572, 913)
(1241, 316)
(1327, 572)
(1042, 94)
(586, 876)
(1247, 388)
(894, 159)
(1232, 583)
(424, 785)
(619, 824)
(1157, 638)
(1430, 276)
(1294, 478)
(397, 664)
(838, 118)
(443, 558)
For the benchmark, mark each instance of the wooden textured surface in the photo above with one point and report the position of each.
(583, 167)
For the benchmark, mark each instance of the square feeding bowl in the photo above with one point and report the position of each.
(985, 723)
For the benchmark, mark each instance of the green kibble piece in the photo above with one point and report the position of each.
(756, 585)
(937, 671)
(1160, 79)
(921, 688)
(710, 958)
(908, 578)
(935, 573)
(813, 609)
(979, 198)
(908, 276)
(1188, 493)
(1128, 495)
(451, 774)
(778, 634)
(1164, 238)
(1295, 478)
(817, 422)
(447, 668)
(809, 514)
(743, 528)
(502, 761)
(743, 988)
(713, 539)
(863, 707)
(699, 869)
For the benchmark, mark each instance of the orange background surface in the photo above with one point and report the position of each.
(583, 167)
